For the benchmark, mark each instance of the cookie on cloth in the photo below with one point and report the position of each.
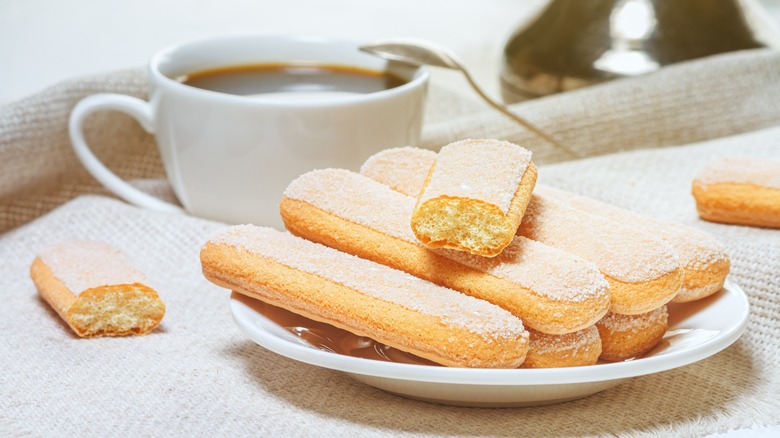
(95, 288)
(742, 191)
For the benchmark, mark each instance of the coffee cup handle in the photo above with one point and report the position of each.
(143, 113)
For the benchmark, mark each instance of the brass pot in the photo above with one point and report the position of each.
(575, 43)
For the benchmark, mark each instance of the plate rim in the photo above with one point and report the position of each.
(492, 377)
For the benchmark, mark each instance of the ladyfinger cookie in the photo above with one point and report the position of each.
(629, 336)
(744, 191)
(550, 290)
(96, 290)
(474, 196)
(364, 297)
(579, 348)
(704, 261)
(544, 351)
(643, 272)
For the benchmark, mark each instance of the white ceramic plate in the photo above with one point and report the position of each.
(696, 331)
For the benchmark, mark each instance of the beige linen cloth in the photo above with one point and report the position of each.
(197, 374)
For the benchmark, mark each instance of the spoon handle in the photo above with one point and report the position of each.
(504, 110)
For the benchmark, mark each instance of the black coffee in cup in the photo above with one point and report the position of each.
(267, 79)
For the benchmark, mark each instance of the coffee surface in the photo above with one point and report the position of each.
(291, 79)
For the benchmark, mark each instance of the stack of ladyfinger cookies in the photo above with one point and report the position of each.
(461, 258)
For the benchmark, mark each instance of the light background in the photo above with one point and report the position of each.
(45, 41)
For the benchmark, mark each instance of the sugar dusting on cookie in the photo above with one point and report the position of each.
(633, 323)
(540, 268)
(359, 199)
(756, 171)
(378, 281)
(695, 248)
(85, 264)
(406, 167)
(543, 343)
(488, 170)
(620, 251)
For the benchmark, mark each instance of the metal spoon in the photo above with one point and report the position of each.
(418, 52)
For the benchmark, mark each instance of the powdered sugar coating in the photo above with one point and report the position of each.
(395, 167)
(547, 271)
(488, 170)
(696, 249)
(543, 343)
(756, 171)
(633, 323)
(375, 280)
(407, 167)
(699, 292)
(627, 255)
(619, 251)
(358, 199)
(86, 264)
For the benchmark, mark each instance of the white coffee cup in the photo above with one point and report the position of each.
(229, 157)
